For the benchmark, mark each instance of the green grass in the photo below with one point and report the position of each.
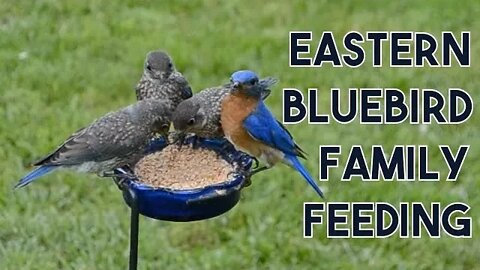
(64, 63)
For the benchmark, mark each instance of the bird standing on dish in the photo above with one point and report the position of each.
(250, 127)
(114, 140)
(200, 114)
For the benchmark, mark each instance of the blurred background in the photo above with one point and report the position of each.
(65, 63)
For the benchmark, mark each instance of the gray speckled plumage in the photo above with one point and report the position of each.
(203, 112)
(114, 140)
(160, 80)
(200, 114)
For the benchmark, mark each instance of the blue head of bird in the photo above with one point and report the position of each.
(246, 81)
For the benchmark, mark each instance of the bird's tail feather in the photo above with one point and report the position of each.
(40, 171)
(294, 162)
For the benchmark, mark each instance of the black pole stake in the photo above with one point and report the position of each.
(134, 222)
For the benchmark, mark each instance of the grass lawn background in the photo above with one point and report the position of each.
(65, 63)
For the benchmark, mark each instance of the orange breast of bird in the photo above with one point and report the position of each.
(235, 108)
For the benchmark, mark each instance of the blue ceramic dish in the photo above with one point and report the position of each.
(191, 204)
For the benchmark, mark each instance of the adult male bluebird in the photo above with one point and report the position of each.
(200, 114)
(251, 127)
(114, 140)
(160, 80)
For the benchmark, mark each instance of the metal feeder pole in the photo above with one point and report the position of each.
(134, 222)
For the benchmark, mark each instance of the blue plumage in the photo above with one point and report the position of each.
(262, 126)
(36, 173)
(295, 163)
(243, 76)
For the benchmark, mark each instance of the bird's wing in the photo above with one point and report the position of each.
(138, 88)
(141, 88)
(263, 126)
(300, 152)
(183, 84)
(103, 140)
(74, 150)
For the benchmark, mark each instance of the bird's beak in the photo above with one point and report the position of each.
(236, 86)
(163, 131)
(178, 137)
(187, 92)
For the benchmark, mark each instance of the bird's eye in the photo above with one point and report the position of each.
(253, 81)
(149, 67)
(191, 121)
(165, 126)
(170, 65)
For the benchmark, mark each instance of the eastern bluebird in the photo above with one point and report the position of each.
(251, 127)
(114, 140)
(200, 114)
(160, 80)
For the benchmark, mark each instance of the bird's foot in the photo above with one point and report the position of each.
(181, 139)
(118, 174)
(177, 138)
(248, 181)
(257, 170)
(248, 175)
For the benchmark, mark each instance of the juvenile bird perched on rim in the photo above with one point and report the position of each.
(200, 114)
(160, 80)
(251, 127)
(119, 138)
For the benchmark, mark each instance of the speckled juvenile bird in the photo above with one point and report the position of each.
(160, 80)
(200, 114)
(119, 138)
